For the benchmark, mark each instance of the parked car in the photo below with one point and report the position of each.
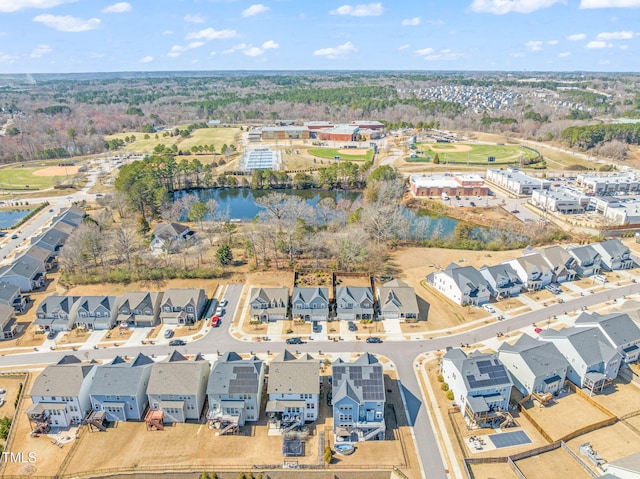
(317, 327)
(168, 333)
(515, 212)
(329, 398)
(220, 310)
(472, 203)
(374, 339)
(294, 341)
(52, 334)
(14, 236)
(215, 321)
(352, 326)
(489, 308)
(224, 302)
(177, 342)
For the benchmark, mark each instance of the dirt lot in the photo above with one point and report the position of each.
(208, 285)
(623, 399)
(612, 442)
(557, 463)
(498, 470)
(10, 383)
(57, 171)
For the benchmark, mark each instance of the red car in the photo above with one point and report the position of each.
(215, 321)
(538, 330)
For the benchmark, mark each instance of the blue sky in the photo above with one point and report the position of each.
(39, 36)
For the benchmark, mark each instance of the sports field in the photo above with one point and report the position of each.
(202, 136)
(34, 178)
(355, 154)
(473, 154)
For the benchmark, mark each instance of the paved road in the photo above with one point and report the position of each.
(402, 354)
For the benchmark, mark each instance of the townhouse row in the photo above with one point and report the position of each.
(589, 354)
(177, 389)
(534, 270)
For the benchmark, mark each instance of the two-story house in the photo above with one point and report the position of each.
(619, 329)
(40, 257)
(269, 304)
(535, 366)
(119, 388)
(7, 322)
(358, 400)
(463, 284)
(168, 236)
(293, 388)
(53, 240)
(60, 393)
(182, 306)
(614, 254)
(54, 313)
(23, 274)
(178, 387)
(354, 302)
(533, 270)
(10, 295)
(95, 312)
(502, 280)
(398, 301)
(235, 389)
(310, 304)
(587, 259)
(73, 215)
(480, 383)
(563, 265)
(140, 308)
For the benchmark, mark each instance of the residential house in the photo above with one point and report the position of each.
(621, 332)
(140, 308)
(168, 236)
(96, 312)
(614, 254)
(627, 467)
(354, 302)
(310, 304)
(593, 362)
(41, 257)
(398, 301)
(563, 265)
(74, 216)
(463, 284)
(235, 388)
(119, 388)
(535, 366)
(24, 275)
(294, 388)
(60, 393)
(480, 383)
(502, 279)
(54, 313)
(358, 400)
(10, 295)
(178, 387)
(7, 322)
(52, 239)
(182, 306)
(533, 270)
(587, 259)
(269, 304)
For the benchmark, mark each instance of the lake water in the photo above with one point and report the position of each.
(10, 218)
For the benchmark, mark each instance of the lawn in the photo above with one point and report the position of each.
(19, 177)
(476, 154)
(331, 153)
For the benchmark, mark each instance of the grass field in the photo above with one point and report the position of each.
(19, 177)
(475, 154)
(202, 136)
(330, 153)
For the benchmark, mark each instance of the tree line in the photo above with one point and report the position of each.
(590, 136)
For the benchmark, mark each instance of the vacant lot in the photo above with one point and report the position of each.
(621, 400)
(496, 470)
(11, 384)
(611, 442)
(116, 289)
(557, 463)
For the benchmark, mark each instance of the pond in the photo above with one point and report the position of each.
(10, 218)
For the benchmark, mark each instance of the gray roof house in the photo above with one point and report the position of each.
(480, 382)
(293, 388)
(182, 306)
(619, 329)
(503, 280)
(10, 295)
(614, 254)
(26, 275)
(41, 257)
(60, 393)
(140, 308)
(269, 304)
(354, 302)
(533, 270)
(398, 300)
(310, 304)
(96, 312)
(166, 236)
(7, 321)
(561, 262)
(587, 259)
(358, 400)
(119, 388)
(52, 239)
(55, 313)
(178, 387)
(593, 362)
(235, 389)
(74, 215)
(626, 467)
(535, 366)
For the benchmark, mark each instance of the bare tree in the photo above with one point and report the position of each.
(126, 242)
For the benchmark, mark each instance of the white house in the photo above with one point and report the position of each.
(463, 284)
(614, 254)
(502, 279)
(533, 270)
(310, 304)
(398, 301)
(619, 329)
(168, 236)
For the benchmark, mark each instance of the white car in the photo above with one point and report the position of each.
(489, 308)
(224, 302)
(219, 311)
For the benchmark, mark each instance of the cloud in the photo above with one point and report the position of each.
(16, 5)
(598, 44)
(411, 22)
(176, 50)
(340, 51)
(120, 7)
(576, 36)
(168, 32)
(250, 50)
(40, 50)
(516, 54)
(67, 23)
(270, 44)
(610, 4)
(500, 7)
(254, 10)
(430, 54)
(614, 36)
(253, 52)
(424, 51)
(146, 59)
(564, 54)
(197, 18)
(7, 58)
(534, 45)
(552, 42)
(212, 34)
(404, 47)
(362, 10)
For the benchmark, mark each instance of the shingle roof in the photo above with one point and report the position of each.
(291, 375)
(541, 357)
(356, 293)
(169, 230)
(120, 377)
(584, 254)
(362, 379)
(589, 343)
(619, 327)
(177, 375)
(54, 303)
(306, 295)
(479, 370)
(267, 295)
(233, 375)
(8, 291)
(21, 268)
(63, 379)
(398, 295)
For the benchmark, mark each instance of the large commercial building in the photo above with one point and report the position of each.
(449, 184)
(561, 201)
(516, 182)
(605, 184)
(339, 133)
(620, 211)
(285, 133)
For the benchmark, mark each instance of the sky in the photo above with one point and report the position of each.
(69, 36)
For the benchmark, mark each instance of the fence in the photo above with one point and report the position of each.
(14, 421)
(578, 460)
